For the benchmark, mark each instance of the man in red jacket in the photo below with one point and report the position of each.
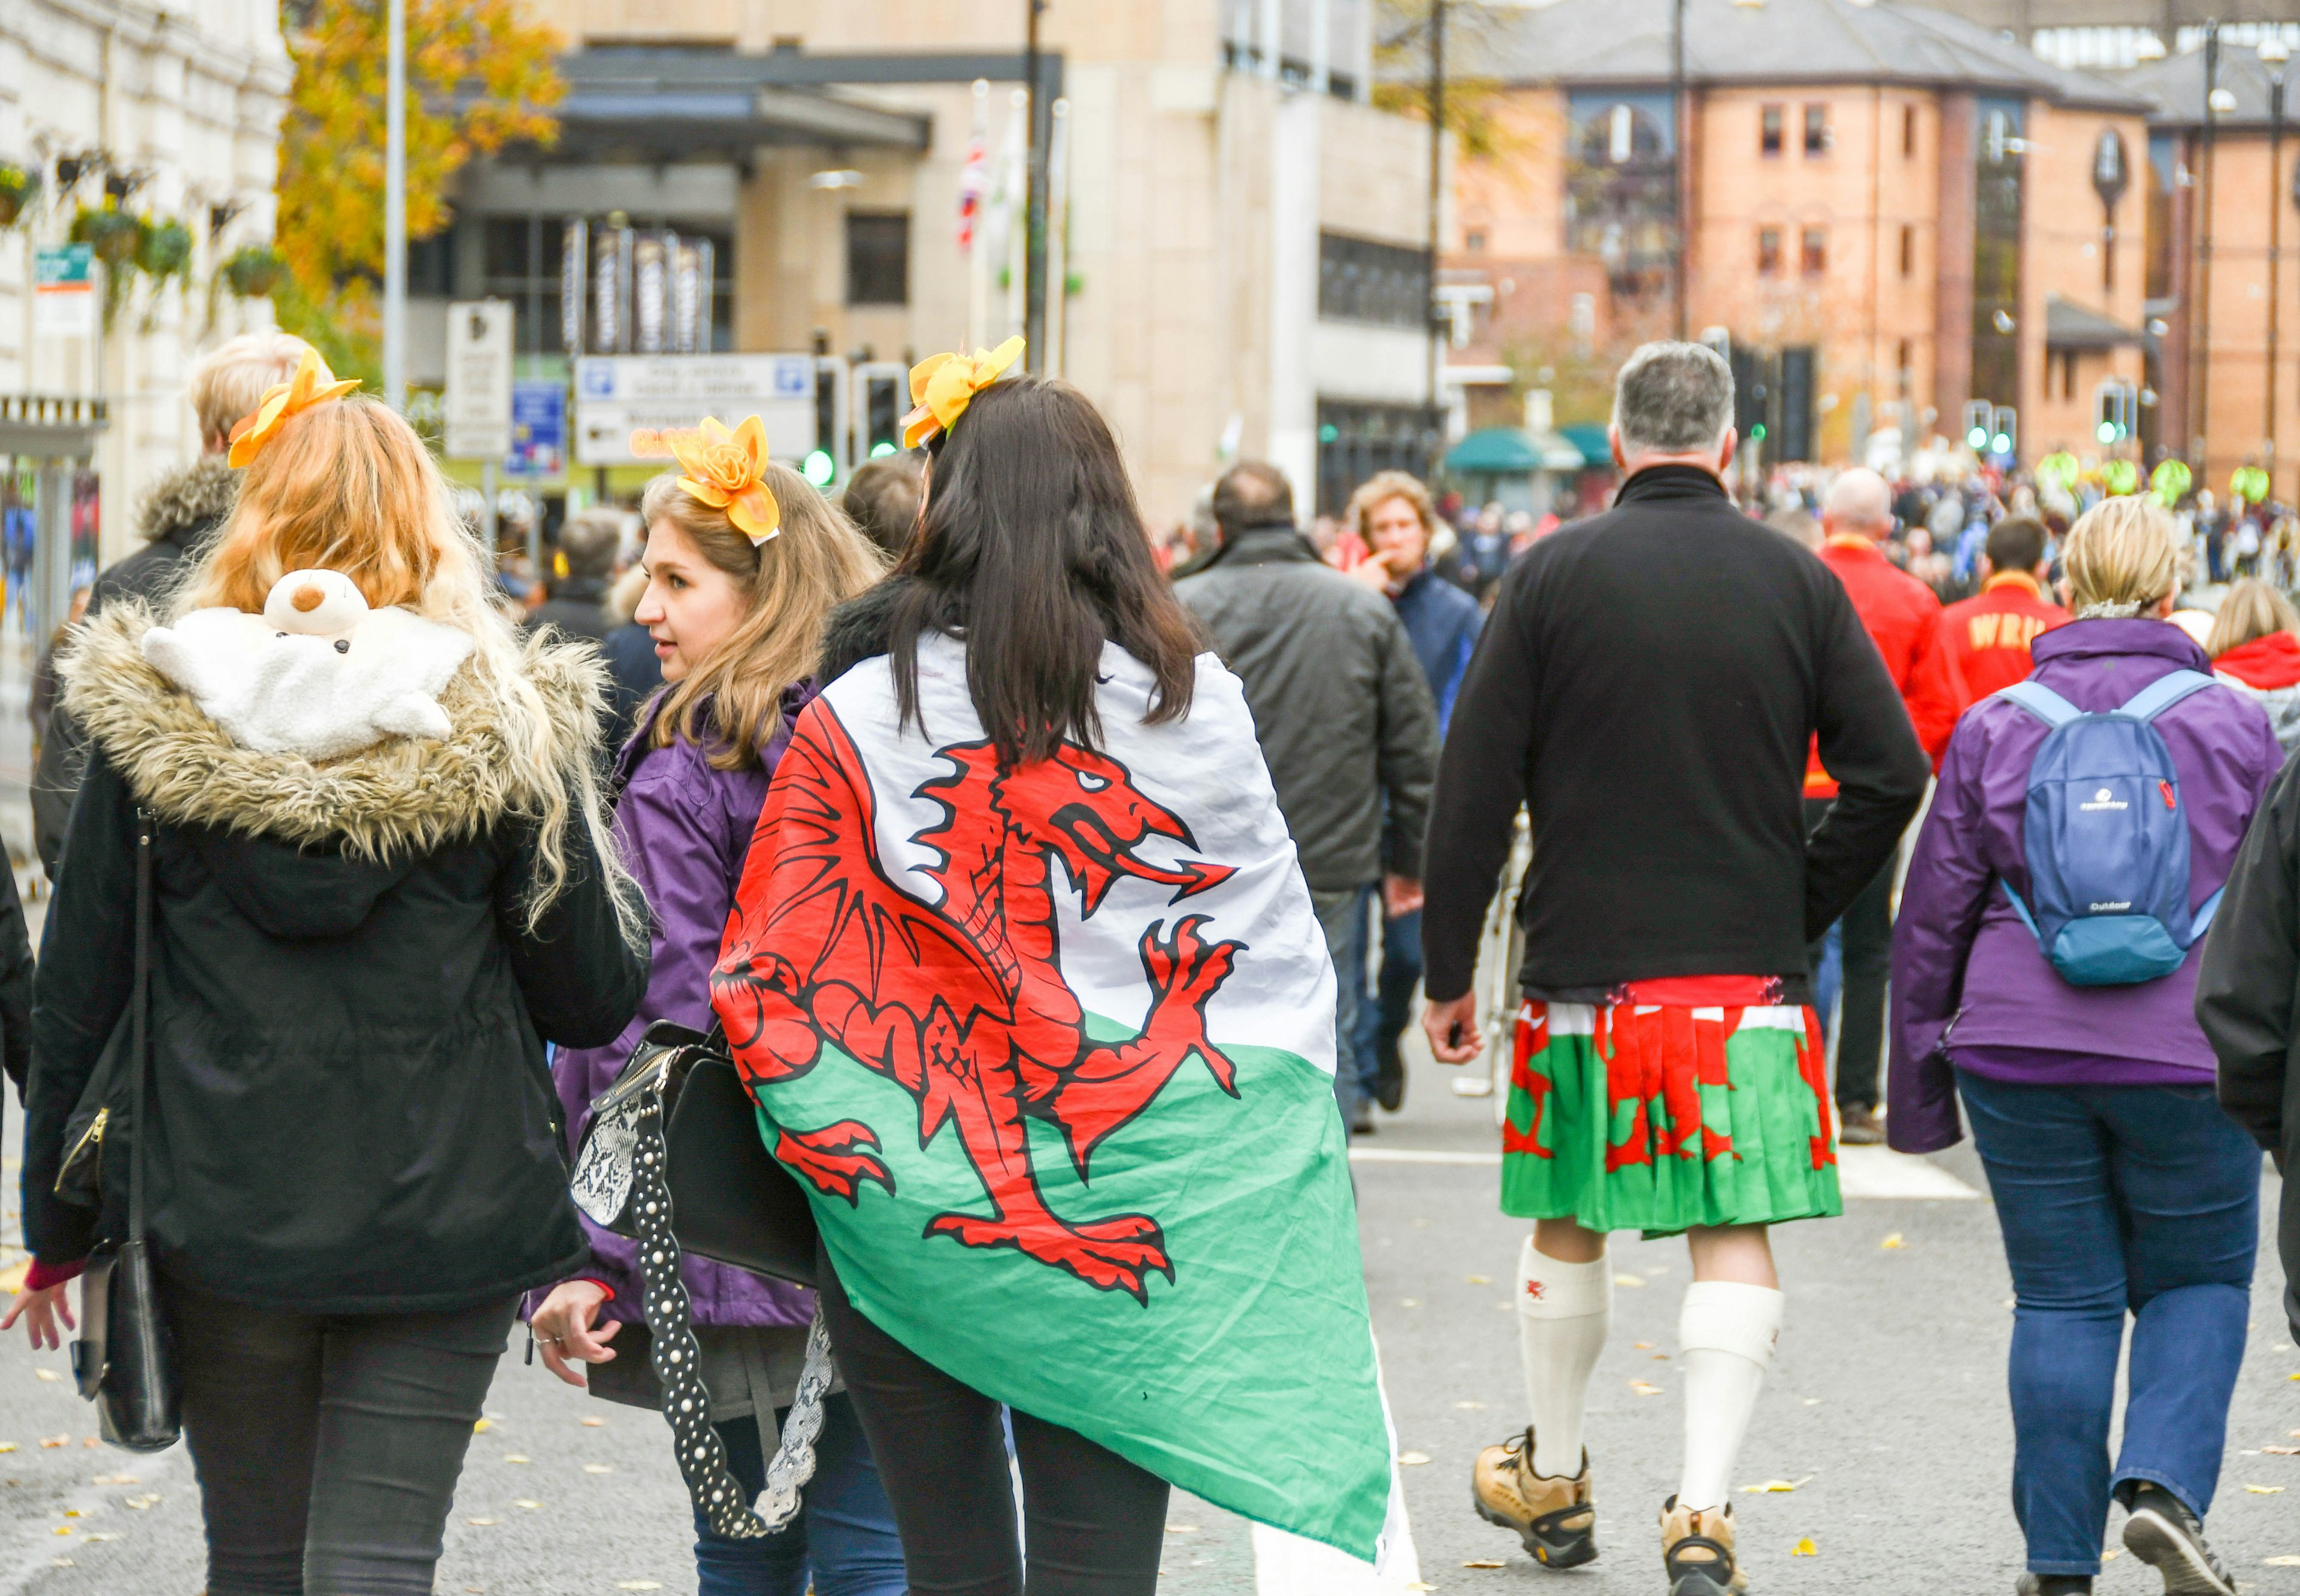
(1982, 644)
(1898, 612)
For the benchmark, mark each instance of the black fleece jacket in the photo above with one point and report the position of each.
(1646, 687)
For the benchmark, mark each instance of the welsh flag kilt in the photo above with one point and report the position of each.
(1052, 1050)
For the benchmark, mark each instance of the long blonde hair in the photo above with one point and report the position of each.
(790, 585)
(347, 487)
(2121, 558)
(2251, 610)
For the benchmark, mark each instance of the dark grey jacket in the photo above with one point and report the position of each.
(1340, 703)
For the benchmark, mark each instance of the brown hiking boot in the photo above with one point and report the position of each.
(1696, 1551)
(1551, 1513)
(1857, 1126)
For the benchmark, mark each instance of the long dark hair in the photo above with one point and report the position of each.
(1032, 549)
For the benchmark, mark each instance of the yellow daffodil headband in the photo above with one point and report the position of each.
(313, 384)
(942, 385)
(727, 470)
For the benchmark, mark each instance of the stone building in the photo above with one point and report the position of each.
(1890, 211)
(170, 115)
(1240, 254)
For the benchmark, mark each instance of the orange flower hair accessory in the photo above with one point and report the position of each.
(313, 384)
(942, 385)
(727, 471)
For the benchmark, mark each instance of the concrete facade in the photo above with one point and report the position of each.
(182, 107)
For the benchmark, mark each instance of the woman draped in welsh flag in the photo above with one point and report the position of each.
(1025, 980)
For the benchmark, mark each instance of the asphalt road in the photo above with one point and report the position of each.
(1886, 1408)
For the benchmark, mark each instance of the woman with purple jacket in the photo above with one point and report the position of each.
(735, 600)
(2119, 1185)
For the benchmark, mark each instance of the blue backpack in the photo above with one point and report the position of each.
(2107, 844)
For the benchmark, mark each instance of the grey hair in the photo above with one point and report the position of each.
(1672, 399)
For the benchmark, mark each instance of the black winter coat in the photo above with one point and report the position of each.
(2248, 1000)
(1343, 712)
(350, 1110)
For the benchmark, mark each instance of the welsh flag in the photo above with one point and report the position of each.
(1053, 1051)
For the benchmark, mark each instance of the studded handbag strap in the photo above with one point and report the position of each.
(679, 1365)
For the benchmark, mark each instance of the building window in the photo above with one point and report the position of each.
(1621, 188)
(1816, 130)
(1476, 241)
(1354, 441)
(1768, 130)
(1360, 280)
(1814, 258)
(1769, 252)
(1904, 364)
(1908, 131)
(878, 257)
(1908, 250)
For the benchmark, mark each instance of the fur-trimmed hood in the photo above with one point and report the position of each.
(402, 797)
(189, 502)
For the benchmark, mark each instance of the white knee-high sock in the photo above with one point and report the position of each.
(1726, 1333)
(1564, 1311)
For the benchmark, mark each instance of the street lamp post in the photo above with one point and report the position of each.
(2276, 54)
(2201, 361)
(1436, 198)
(395, 209)
(1679, 112)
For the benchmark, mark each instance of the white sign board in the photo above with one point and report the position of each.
(63, 291)
(476, 410)
(617, 395)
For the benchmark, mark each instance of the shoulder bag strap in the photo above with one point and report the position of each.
(2163, 693)
(139, 1024)
(2041, 702)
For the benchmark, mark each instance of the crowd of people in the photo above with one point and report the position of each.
(374, 865)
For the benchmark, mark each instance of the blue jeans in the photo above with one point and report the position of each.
(1388, 1006)
(2117, 1199)
(1342, 916)
(845, 1533)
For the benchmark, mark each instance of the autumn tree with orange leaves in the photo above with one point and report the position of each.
(480, 75)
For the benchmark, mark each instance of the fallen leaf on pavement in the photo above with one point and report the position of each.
(113, 1479)
(1181, 1529)
(1413, 1459)
(640, 1584)
(482, 1427)
(597, 1469)
(1479, 1279)
(7, 1446)
(2264, 1490)
(2286, 1561)
(483, 1522)
(54, 1441)
(1409, 1302)
(63, 1529)
(1629, 1280)
(104, 1537)
(1891, 1243)
(141, 1502)
(2282, 1451)
(1484, 1562)
(45, 1374)
(1645, 1388)
(593, 1424)
(515, 1457)
(62, 1563)
(1805, 1548)
(529, 1506)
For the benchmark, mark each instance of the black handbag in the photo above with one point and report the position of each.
(125, 1359)
(672, 1158)
(730, 1201)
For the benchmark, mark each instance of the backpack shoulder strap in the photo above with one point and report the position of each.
(2041, 702)
(2163, 693)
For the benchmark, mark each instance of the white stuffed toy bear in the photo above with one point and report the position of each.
(318, 673)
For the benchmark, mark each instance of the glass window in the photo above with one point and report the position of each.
(878, 257)
(1769, 252)
(1360, 280)
(1621, 188)
(1768, 130)
(1813, 260)
(1816, 130)
(1908, 129)
(1908, 250)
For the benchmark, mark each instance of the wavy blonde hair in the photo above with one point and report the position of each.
(347, 487)
(790, 584)
(2252, 611)
(2121, 558)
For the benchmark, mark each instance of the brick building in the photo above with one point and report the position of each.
(1891, 210)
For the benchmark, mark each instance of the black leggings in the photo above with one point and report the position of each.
(328, 1447)
(1095, 1523)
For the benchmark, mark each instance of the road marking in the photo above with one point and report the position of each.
(1862, 1172)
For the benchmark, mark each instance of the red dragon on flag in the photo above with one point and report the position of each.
(962, 1002)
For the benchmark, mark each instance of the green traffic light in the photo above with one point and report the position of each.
(2001, 445)
(820, 468)
(2106, 432)
(880, 448)
(1978, 437)
(1757, 432)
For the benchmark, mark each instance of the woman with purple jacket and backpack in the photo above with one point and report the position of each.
(741, 580)
(2119, 1185)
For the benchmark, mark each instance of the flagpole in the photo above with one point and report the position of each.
(1017, 211)
(395, 209)
(1055, 311)
(978, 259)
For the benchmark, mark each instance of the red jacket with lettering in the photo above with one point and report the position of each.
(1898, 612)
(1978, 645)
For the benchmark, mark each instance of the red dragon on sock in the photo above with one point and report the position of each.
(962, 1002)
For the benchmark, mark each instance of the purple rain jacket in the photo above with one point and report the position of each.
(1972, 989)
(685, 828)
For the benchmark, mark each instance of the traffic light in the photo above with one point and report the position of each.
(2116, 411)
(879, 389)
(2005, 439)
(1979, 419)
(830, 458)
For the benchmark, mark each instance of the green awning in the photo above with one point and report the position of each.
(1510, 451)
(1589, 438)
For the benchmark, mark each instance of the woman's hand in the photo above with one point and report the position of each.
(40, 1310)
(563, 1328)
